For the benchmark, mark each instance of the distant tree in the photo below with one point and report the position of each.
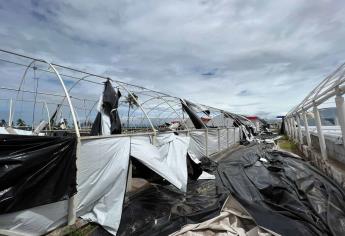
(2, 123)
(131, 104)
(21, 122)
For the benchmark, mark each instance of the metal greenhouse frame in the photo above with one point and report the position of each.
(332, 85)
(144, 110)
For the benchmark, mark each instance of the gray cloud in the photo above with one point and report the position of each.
(205, 51)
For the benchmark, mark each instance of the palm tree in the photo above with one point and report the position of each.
(21, 122)
(131, 99)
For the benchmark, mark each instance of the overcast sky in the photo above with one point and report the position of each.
(251, 57)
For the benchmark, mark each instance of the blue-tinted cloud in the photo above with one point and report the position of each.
(212, 52)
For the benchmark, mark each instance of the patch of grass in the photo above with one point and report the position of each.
(287, 145)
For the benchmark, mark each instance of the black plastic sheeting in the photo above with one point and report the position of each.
(141, 171)
(35, 171)
(197, 122)
(283, 193)
(162, 210)
(110, 104)
(282, 128)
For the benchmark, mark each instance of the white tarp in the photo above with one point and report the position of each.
(3, 130)
(221, 121)
(102, 175)
(233, 220)
(14, 131)
(101, 179)
(105, 120)
(35, 221)
(197, 146)
(167, 158)
(23, 132)
(196, 149)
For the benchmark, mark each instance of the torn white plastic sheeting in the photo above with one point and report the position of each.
(23, 132)
(197, 146)
(205, 175)
(174, 148)
(102, 177)
(196, 149)
(233, 220)
(105, 120)
(247, 135)
(35, 221)
(3, 130)
(167, 158)
(10, 130)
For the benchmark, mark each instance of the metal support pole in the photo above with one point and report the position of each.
(306, 127)
(218, 134)
(241, 133)
(10, 115)
(295, 134)
(72, 215)
(300, 135)
(227, 137)
(48, 115)
(320, 132)
(340, 105)
(206, 142)
(234, 135)
(286, 126)
(290, 129)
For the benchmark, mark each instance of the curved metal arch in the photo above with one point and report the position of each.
(338, 81)
(150, 99)
(159, 115)
(145, 89)
(142, 109)
(87, 116)
(142, 120)
(321, 91)
(164, 102)
(329, 78)
(71, 208)
(71, 203)
(19, 89)
(178, 115)
(70, 89)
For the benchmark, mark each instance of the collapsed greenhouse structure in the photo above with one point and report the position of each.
(141, 162)
(90, 140)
